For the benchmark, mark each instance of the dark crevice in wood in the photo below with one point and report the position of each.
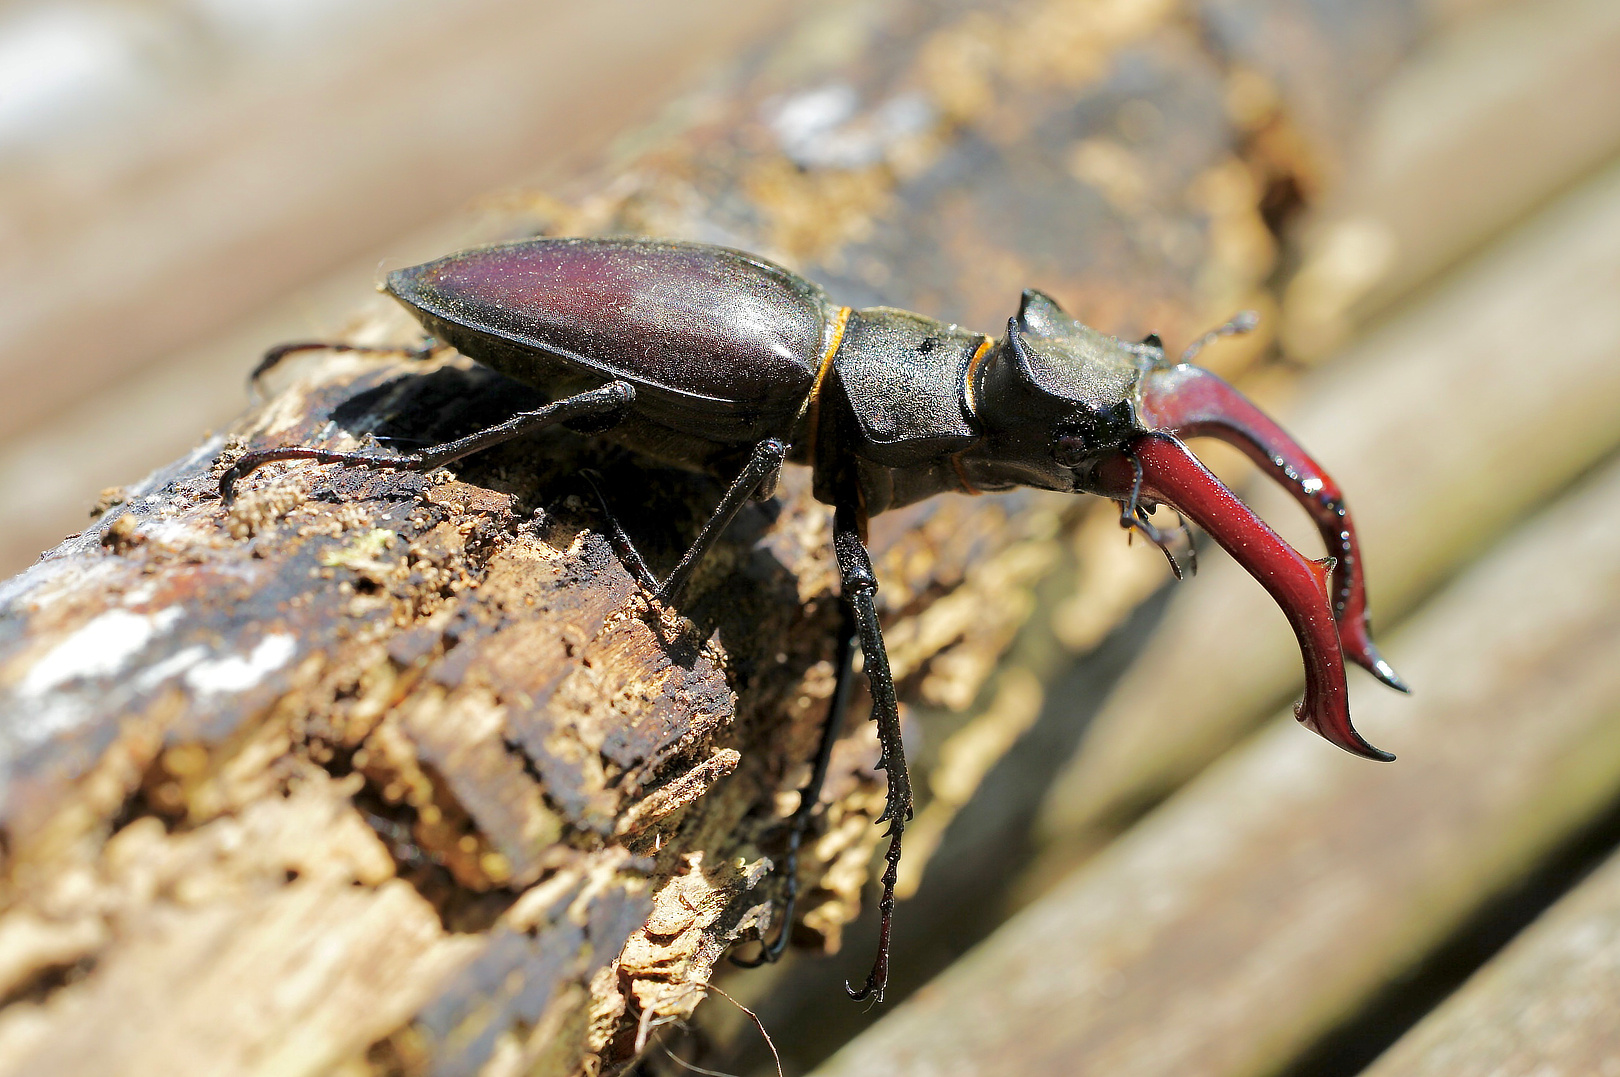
(45, 981)
(1375, 1026)
(460, 909)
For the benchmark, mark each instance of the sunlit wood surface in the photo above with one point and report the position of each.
(378, 775)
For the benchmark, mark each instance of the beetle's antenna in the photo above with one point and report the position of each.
(1244, 321)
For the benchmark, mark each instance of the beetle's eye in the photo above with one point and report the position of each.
(1070, 450)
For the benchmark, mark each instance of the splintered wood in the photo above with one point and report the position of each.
(420, 740)
(427, 755)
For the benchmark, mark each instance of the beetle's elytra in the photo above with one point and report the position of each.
(720, 360)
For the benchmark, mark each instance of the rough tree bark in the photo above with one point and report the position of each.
(382, 773)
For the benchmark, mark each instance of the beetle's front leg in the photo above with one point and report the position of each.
(859, 586)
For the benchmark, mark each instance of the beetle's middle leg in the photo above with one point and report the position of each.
(615, 396)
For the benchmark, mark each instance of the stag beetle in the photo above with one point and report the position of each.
(721, 361)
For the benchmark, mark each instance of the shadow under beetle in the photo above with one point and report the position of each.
(719, 360)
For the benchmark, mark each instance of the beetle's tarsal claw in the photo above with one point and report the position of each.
(1162, 468)
(877, 980)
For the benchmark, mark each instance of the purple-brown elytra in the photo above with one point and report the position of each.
(722, 361)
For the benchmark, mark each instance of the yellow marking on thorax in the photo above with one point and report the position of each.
(812, 403)
(968, 395)
(969, 402)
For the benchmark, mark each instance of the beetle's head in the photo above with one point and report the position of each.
(1064, 407)
(1052, 394)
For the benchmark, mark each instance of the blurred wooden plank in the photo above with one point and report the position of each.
(1445, 13)
(124, 247)
(1490, 120)
(1259, 906)
(1443, 427)
(1544, 1007)
(1327, 60)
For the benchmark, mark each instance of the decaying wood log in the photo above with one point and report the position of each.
(392, 773)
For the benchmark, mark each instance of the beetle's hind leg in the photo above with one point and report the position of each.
(274, 356)
(764, 464)
(615, 396)
(810, 795)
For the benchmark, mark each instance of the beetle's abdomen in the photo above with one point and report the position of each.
(712, 335)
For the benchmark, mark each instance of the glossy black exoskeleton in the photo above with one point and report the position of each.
(722, 361)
